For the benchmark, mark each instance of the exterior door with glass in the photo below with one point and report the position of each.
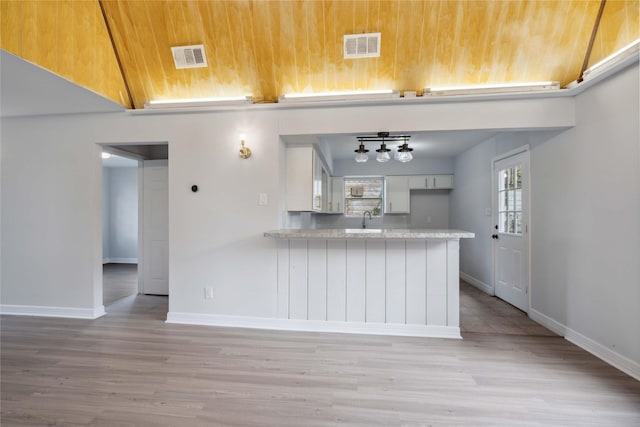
(511, 233)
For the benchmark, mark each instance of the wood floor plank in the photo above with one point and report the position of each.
(130, 368)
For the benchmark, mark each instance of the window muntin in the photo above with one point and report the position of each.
(510, 200)
(363, 194)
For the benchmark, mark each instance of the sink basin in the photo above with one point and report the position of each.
(363, 230)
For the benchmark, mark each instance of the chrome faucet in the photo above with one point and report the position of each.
(364, 215)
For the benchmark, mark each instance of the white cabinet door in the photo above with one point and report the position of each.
(397, 194)
(439, 182)
(336, 196)
(418, 182)
(307, 181)
(319, 179)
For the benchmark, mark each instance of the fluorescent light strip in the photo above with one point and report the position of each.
(199, 102)
(491, 88)
(629, 52)
(340, 96)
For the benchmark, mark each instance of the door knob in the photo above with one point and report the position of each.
(494, 236)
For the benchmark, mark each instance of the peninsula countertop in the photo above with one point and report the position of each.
(369, 233)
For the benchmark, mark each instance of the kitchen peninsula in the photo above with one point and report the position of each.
(377, 281)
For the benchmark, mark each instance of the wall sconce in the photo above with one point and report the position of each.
(245, 152)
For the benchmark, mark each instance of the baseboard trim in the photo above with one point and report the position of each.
(48, 311)
(488, 289)
(614, 359)
(119, 260)
(547, 322)
(314, 325)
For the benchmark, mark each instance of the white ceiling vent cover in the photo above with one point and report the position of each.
(189, 56)
(362, 45)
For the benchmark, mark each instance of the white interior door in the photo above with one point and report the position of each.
(511, 233)
(154, 258)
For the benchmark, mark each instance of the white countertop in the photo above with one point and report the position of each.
(369, 233)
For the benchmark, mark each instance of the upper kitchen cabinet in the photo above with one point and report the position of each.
(431, 182)
(307, 180)
(397, 195)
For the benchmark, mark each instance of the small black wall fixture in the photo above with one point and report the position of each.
(194, 188)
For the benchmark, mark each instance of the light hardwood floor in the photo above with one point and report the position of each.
(118, 281)
(129, 368)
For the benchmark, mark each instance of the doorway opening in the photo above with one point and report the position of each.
(135, 221)
(119, 227)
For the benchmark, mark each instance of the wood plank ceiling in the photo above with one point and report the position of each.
(268, 48)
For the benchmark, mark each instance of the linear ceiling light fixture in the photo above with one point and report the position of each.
(352, 95)
(491, 88)
(200, 102)
(627, 55)
(403, 154)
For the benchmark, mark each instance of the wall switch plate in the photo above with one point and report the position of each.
(262, 200)
(208, 293)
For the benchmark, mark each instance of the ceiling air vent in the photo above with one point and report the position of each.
(189, 56)
(362, 45)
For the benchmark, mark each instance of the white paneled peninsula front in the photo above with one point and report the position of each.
(377, 281)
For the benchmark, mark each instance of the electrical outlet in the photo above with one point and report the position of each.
(208, 293)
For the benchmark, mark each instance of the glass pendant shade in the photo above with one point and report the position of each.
(361, 157)
(383, 157)
(383, 153)
(405, 157)
(404, 153)
(361, 154)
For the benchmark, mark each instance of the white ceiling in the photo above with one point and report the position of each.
(425, 144)
(119, 162)
(28, 90)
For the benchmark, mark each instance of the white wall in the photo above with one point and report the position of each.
(120, 224)
(585, 219)
(51, 235)
(471, 197)
(52, 165)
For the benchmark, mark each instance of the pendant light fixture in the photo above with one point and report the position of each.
(403, 154)
(361, 153)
